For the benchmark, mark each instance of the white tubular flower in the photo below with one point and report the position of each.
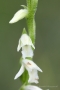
(23, 41)
(31, 87)
(32, 68)
(20, 14)
(27, 51)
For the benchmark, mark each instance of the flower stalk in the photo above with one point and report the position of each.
(28, 72)
(32, 6)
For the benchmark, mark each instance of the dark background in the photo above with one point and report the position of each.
(47, 52)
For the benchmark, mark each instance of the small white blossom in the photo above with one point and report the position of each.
(20, 14)
(27, 51)
(31, 87)
(24, 40)
(32, 69)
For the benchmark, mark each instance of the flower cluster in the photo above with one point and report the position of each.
(27, 51)
(27, 47)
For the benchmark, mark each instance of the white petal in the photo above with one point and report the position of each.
(31, 87)
(19, 45)
(30, 65)
(19, 15)
(33, 76)
(27, 51)
(20, 72)
(25, 40)
(18, 48)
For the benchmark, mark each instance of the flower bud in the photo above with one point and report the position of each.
(19, 15)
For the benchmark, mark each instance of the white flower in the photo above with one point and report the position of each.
(20, 14)
(31, 87)
(27, 51)
(32, 68)
(24, 40)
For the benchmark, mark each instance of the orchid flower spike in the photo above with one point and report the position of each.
(32, 69)
(20, 14)
(31, 87)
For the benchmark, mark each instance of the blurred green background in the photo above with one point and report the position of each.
(47, 52)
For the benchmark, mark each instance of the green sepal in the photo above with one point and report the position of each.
(24, 31)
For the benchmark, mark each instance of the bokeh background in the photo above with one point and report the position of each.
(47, 52)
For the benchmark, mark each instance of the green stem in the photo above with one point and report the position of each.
(32, 5)
(28, 3)
(31, 28)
